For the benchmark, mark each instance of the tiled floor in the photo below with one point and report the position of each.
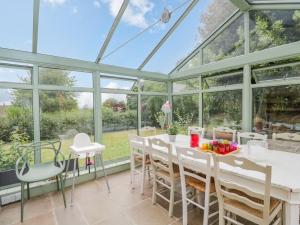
(94, 206)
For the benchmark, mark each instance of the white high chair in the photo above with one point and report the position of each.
(82, 146)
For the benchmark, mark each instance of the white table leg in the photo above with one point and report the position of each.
(73, 184)
(291, 214)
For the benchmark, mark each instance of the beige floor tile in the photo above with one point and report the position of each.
(120, 219)
(10, 214)
(44, 219)
(147, 214)
(69, 216)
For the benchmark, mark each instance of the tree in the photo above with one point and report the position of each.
(50, 101)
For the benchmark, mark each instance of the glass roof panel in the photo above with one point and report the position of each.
(73, 29)
(16, 24)
(206, 16)
(138, 16)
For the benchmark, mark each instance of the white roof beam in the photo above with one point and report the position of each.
(35, 28)
(112, 30)
(169, 33)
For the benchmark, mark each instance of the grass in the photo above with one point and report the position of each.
(116, 143)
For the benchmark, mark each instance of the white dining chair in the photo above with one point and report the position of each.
(194, 183)
(148, 131)
(223, 130)
(251, 136)
(286, 136)
(198, 130)
(138, 158)
(165, 173)
(237, 199)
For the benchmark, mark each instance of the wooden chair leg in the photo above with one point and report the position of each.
(28, 191)
(154, 190)
(172, 196)
(22, 201)
(62, 190)
(143, 175)
(95, 166)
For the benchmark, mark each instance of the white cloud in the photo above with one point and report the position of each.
(85, 100)
(97, 4)
(75, 10)
(135, 14)
(55, 2)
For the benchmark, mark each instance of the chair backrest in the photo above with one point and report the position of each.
(148, 131)
(236, 190)
(226, 130)
(27, 152)
(251, 136)
(199, 130)
(199, 161)
(161, 155)
(81, 140)
(286, 136)
(137, 144)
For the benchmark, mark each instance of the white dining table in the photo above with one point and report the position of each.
(285, 183)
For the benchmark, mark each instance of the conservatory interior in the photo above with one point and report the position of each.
(149, 112)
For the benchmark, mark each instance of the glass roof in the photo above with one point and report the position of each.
(77, 29)
(16, 24)
(203, 19)
(135, 19)
(73, 29)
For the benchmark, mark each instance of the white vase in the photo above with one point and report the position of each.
(172, 138)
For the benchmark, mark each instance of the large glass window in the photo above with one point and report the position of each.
(222, 80)
(119, 118)
(186, 85)
(276, 109)
(153, 86)
(269, 28)
(227, 44)
(65, 78)
(186, 110)
(151, 107)
(16, 124)
(115, 83)
(17, 75)
(223, 108)
(63, 115)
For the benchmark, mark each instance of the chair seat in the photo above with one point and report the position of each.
(200, 185)
(237, 204)
(41, 172)
(140, 159)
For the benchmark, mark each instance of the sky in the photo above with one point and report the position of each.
(77, 29)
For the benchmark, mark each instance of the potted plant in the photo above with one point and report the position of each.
(172, 132)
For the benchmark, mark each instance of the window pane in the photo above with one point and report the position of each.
(270, 28)
(276, 109)
(16, 24)
(186, 109)
(73, 29)
(227, 44)
(153, 86)
(134, 34)
(186, 85)
(16, 126)
(280, 73)
(151, 107)
(65, 78)
(222, 108)
(114, 83)
(18, 75)
(222, 80)
(119, 118)
(63, 115)
(204, 18)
